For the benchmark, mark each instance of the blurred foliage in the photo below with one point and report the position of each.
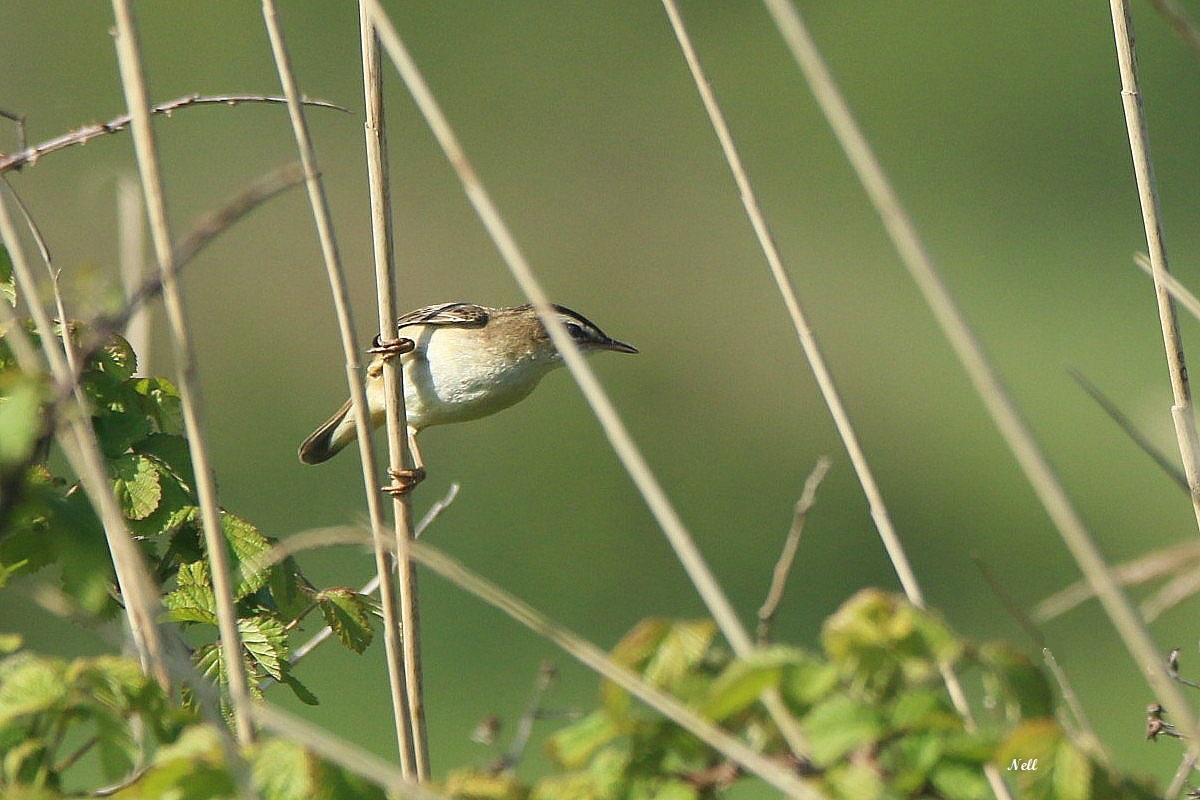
(872, 704)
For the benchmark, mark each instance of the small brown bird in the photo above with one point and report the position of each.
(469, 361)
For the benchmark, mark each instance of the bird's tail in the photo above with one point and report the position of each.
(326, 441)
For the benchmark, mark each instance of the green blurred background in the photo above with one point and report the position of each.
(1001, 126)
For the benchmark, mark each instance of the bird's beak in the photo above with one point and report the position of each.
(615, 346)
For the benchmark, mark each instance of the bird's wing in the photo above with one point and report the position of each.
(467, 315)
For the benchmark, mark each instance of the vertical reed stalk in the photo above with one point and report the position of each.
(618, 435)
(399, 457)
(822, 373)
(1143, 169)
(132, 249)
(133, 82)
(358, 398)
(983, 376)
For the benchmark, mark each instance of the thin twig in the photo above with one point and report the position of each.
(395, 414)
(133, 83)
(131, 235)
(970, 352)
(341, 301)
(546, 674)
(783, 567)
(30, 155)
(1143, 168)
(1175, 286)
(627, 451)
(1126, 424)
(600, 662)
(1171, 594)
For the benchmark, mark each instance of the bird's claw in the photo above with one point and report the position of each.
(392, 347)
(403, 481)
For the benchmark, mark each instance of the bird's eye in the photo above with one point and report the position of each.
(575, 331)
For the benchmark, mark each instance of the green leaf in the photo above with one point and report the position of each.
(171, 454)
(957, 781)
(247, 546)
(20, 418)
(839, 725)
(266, 642)
(30, 685)
(572, 746)
(1015, 682)
(192, 600)
(116, 358)
(744, 680)
(160, 402)
(137, 485)
(347, 613)
(302, 692)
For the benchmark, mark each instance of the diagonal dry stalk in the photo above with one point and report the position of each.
(133, 83)
(824, 376)
(776, 774)
(399, 456)
(1143, 168)
(614, 428)
(358, 398)
(83, 453)
(983, 376)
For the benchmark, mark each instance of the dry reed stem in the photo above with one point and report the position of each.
(816, 359)
(600, 662)
(341, 301)
(133, 83)
(783, 566)
(1143, 168)
(399, 457)
(83, 453)
(984, 378)
(1083, 725)
(131, 235)
(341, 752)
(1157, 564)
(1179, 20)
(614, 428)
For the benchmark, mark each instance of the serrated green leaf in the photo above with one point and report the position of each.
(247, 546)
(348, 614)
(302, 692)
(839, 725)
(282, 770)
(288, 588)
(171, 454)
(30, 685)
(266, 642)
(137, 484)
(192, 599)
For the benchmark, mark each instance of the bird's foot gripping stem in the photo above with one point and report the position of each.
(392, 347)
(403, 481)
